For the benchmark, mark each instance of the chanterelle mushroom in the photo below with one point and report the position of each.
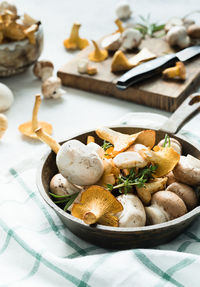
(165, 206)
(51, 88)
(123, 10)
(74, 41)
(186, 193)
(3, 124)
(131, 38)
(188, 170)
(133, 213)
(7, 6)
(177, 72)
(177, 36)
(98, 55)
(97, 205)
(6, 98)
(59, 185)
(43, 69)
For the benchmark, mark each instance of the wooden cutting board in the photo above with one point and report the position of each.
(154, 92)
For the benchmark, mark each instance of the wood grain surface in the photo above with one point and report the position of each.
(154, 92)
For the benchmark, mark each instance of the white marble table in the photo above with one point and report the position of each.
(77, 110)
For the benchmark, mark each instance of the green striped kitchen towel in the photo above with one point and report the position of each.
(36, 249)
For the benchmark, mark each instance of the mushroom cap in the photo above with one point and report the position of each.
(3, 124)
(98, 55)
(82, 66)
(6, 98)
(79, 164)
(120, 62)
(59, 185)
(123, 10)
(136, 147)
(172, 204)
(174, 21)
(187, 22)
(112, 42)
(131, 38)
(177, 36)
(175, 144)
(50, 86)
(156, 214)
(43, 69)
(133, 213)
(194, 31)
(186, 193)
(188, 170)
(129, 159)
(93, 147)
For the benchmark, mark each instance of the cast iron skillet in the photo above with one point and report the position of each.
(124, 238)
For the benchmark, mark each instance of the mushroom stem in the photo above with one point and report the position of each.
(90, 218)
(35, 124)
(98, 55)
(97, 51)
(48, 140)
(74, 35)
(119, 25)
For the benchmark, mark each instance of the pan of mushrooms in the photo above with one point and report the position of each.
(124, 187)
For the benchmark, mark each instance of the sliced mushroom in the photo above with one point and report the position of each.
(6, 98)
(186, 193)
(133, 213)
(188, 170)
(177, 36)
(137, 147)
(123, 10)
(131, 38)
(78, 164)
(175, 144)
(165, 206)
(43, 69)
(51, 88)
(59, 185)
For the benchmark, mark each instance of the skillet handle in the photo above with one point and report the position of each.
(182, 115)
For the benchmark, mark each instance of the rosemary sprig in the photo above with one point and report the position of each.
(68, 199)
(106, 145)
(125, 183)
(148, 28)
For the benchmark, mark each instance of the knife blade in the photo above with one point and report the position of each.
(156, 66)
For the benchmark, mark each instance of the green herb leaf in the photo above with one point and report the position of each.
(109, 187)
(167, 141)
(148, 28)
(106, 145)
(73, 197)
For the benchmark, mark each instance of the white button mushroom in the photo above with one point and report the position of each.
(129, 159)
(177, 36)
(133, 214)
(79, 164)
(93, 147)
(173, 22)
(43, 69)
(3, 124)
(51, 88)
(123, 10)
(165, 206)
(188, 170)
(175, 144)
(59, 185)
(186, 193)
(131, 38)
(6, 98)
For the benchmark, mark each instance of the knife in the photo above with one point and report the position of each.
(156, 66)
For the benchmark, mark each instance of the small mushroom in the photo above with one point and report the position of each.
(43, 70)
(28, 128)
(30, 33)
(110, 173)
(175, 144)
(131, 38)
(119, 24)
(59, 185)
(97, 205)
(186, 193)
(84, 68)
(165, 206)
(152, 186)
(51, 88)
(122, 142)
(188, 170)
(3, 124)
(74, 42)
(112, 42)
(194, 31)
(27, 20)
(6, 98)
(129, 159)
(98, 55)
(123, 10)
(136, 147)
(133, 213)
(177, 72)
(173, 22)
(188, 22)
(177, 36)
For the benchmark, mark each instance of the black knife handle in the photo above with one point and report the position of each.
(146, 70)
